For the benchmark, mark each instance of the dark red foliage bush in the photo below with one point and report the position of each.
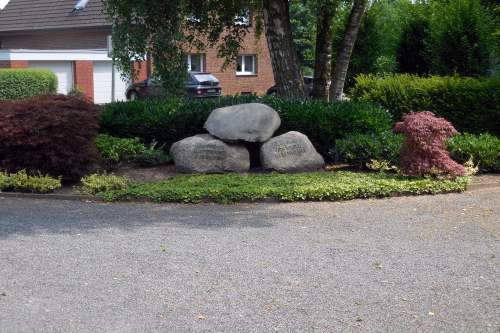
(52, 134)
(424, 147)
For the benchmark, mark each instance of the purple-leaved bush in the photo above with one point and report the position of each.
(424, 147)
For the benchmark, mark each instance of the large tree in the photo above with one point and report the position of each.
(344, 51)
(325, 11)
(286, 67)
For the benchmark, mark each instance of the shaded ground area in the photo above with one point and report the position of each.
(426, 263)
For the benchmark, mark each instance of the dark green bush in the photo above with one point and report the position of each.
(359, 149)
(171, 120)
(471, 105)
(25, 83)
(484, 149)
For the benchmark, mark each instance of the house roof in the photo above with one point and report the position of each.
(38, 15)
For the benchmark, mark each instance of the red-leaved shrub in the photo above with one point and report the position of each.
(52, 134)
(424, 147)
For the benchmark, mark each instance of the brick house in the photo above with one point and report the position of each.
(73, 44)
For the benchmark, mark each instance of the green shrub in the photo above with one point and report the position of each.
(22, 181)
(484, 149)
(360, 149)
(152, 156)
(340, 185)
(5, 181)
(174, 119)
(114, 150)
(97, 183)
(471, 105)
(25, 83)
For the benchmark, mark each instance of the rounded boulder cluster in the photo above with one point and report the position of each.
(231, 129)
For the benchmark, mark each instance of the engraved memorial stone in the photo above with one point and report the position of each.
(290, 152)
(252, 122)
(205, 154)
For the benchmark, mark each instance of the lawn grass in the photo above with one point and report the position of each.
(315, 186)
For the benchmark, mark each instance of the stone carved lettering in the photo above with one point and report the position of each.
(286, 149)
(210, 153)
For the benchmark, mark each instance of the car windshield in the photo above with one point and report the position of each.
(205, 78)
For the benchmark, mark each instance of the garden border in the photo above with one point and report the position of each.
(88, 198)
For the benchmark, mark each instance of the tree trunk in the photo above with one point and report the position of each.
(339, 70)
(284, 60)
(323, 54)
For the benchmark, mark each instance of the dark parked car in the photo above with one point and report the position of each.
(198, 85)
(308, 84)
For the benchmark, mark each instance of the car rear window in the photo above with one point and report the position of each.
(205, 77)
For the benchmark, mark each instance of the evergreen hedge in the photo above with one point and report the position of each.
(25, 83)
(470, 104)
(168, 121)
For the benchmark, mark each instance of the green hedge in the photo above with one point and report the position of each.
(484, 149)
(25, 83)
(174, 119)
(360, 149)
(472, 105)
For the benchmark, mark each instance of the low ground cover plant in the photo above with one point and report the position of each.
(227, 188)
(96, 183)
(170, 120)
(51, 134)
(26, 83)
(424, 146)
(470, 104)
(21, 181)
(483, 149)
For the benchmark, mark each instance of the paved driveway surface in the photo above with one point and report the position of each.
(415, 264)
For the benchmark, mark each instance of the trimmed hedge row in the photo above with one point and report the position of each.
(171, 120)
(471, 105)
(26, 83)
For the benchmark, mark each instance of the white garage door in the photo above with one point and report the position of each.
(102, 83)
(63, 71)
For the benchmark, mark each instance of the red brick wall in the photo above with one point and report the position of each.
(143, 69)
(233, 84)
(84, 77)
(13, 64)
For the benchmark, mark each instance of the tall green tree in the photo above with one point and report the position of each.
(344, 51)
(461, 38)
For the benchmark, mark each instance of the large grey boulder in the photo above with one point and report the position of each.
(205, 154)
(290, 152)
(252, 122)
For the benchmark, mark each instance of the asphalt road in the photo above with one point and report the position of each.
(409, 264)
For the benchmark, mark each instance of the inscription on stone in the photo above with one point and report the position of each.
(283, 150)
(211, 152)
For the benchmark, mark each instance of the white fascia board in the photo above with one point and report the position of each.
(55, 55)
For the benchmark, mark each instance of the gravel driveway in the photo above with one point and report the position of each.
(409, 264)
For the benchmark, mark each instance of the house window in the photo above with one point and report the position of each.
(243, 19)
(246, 65)
(196, 62)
